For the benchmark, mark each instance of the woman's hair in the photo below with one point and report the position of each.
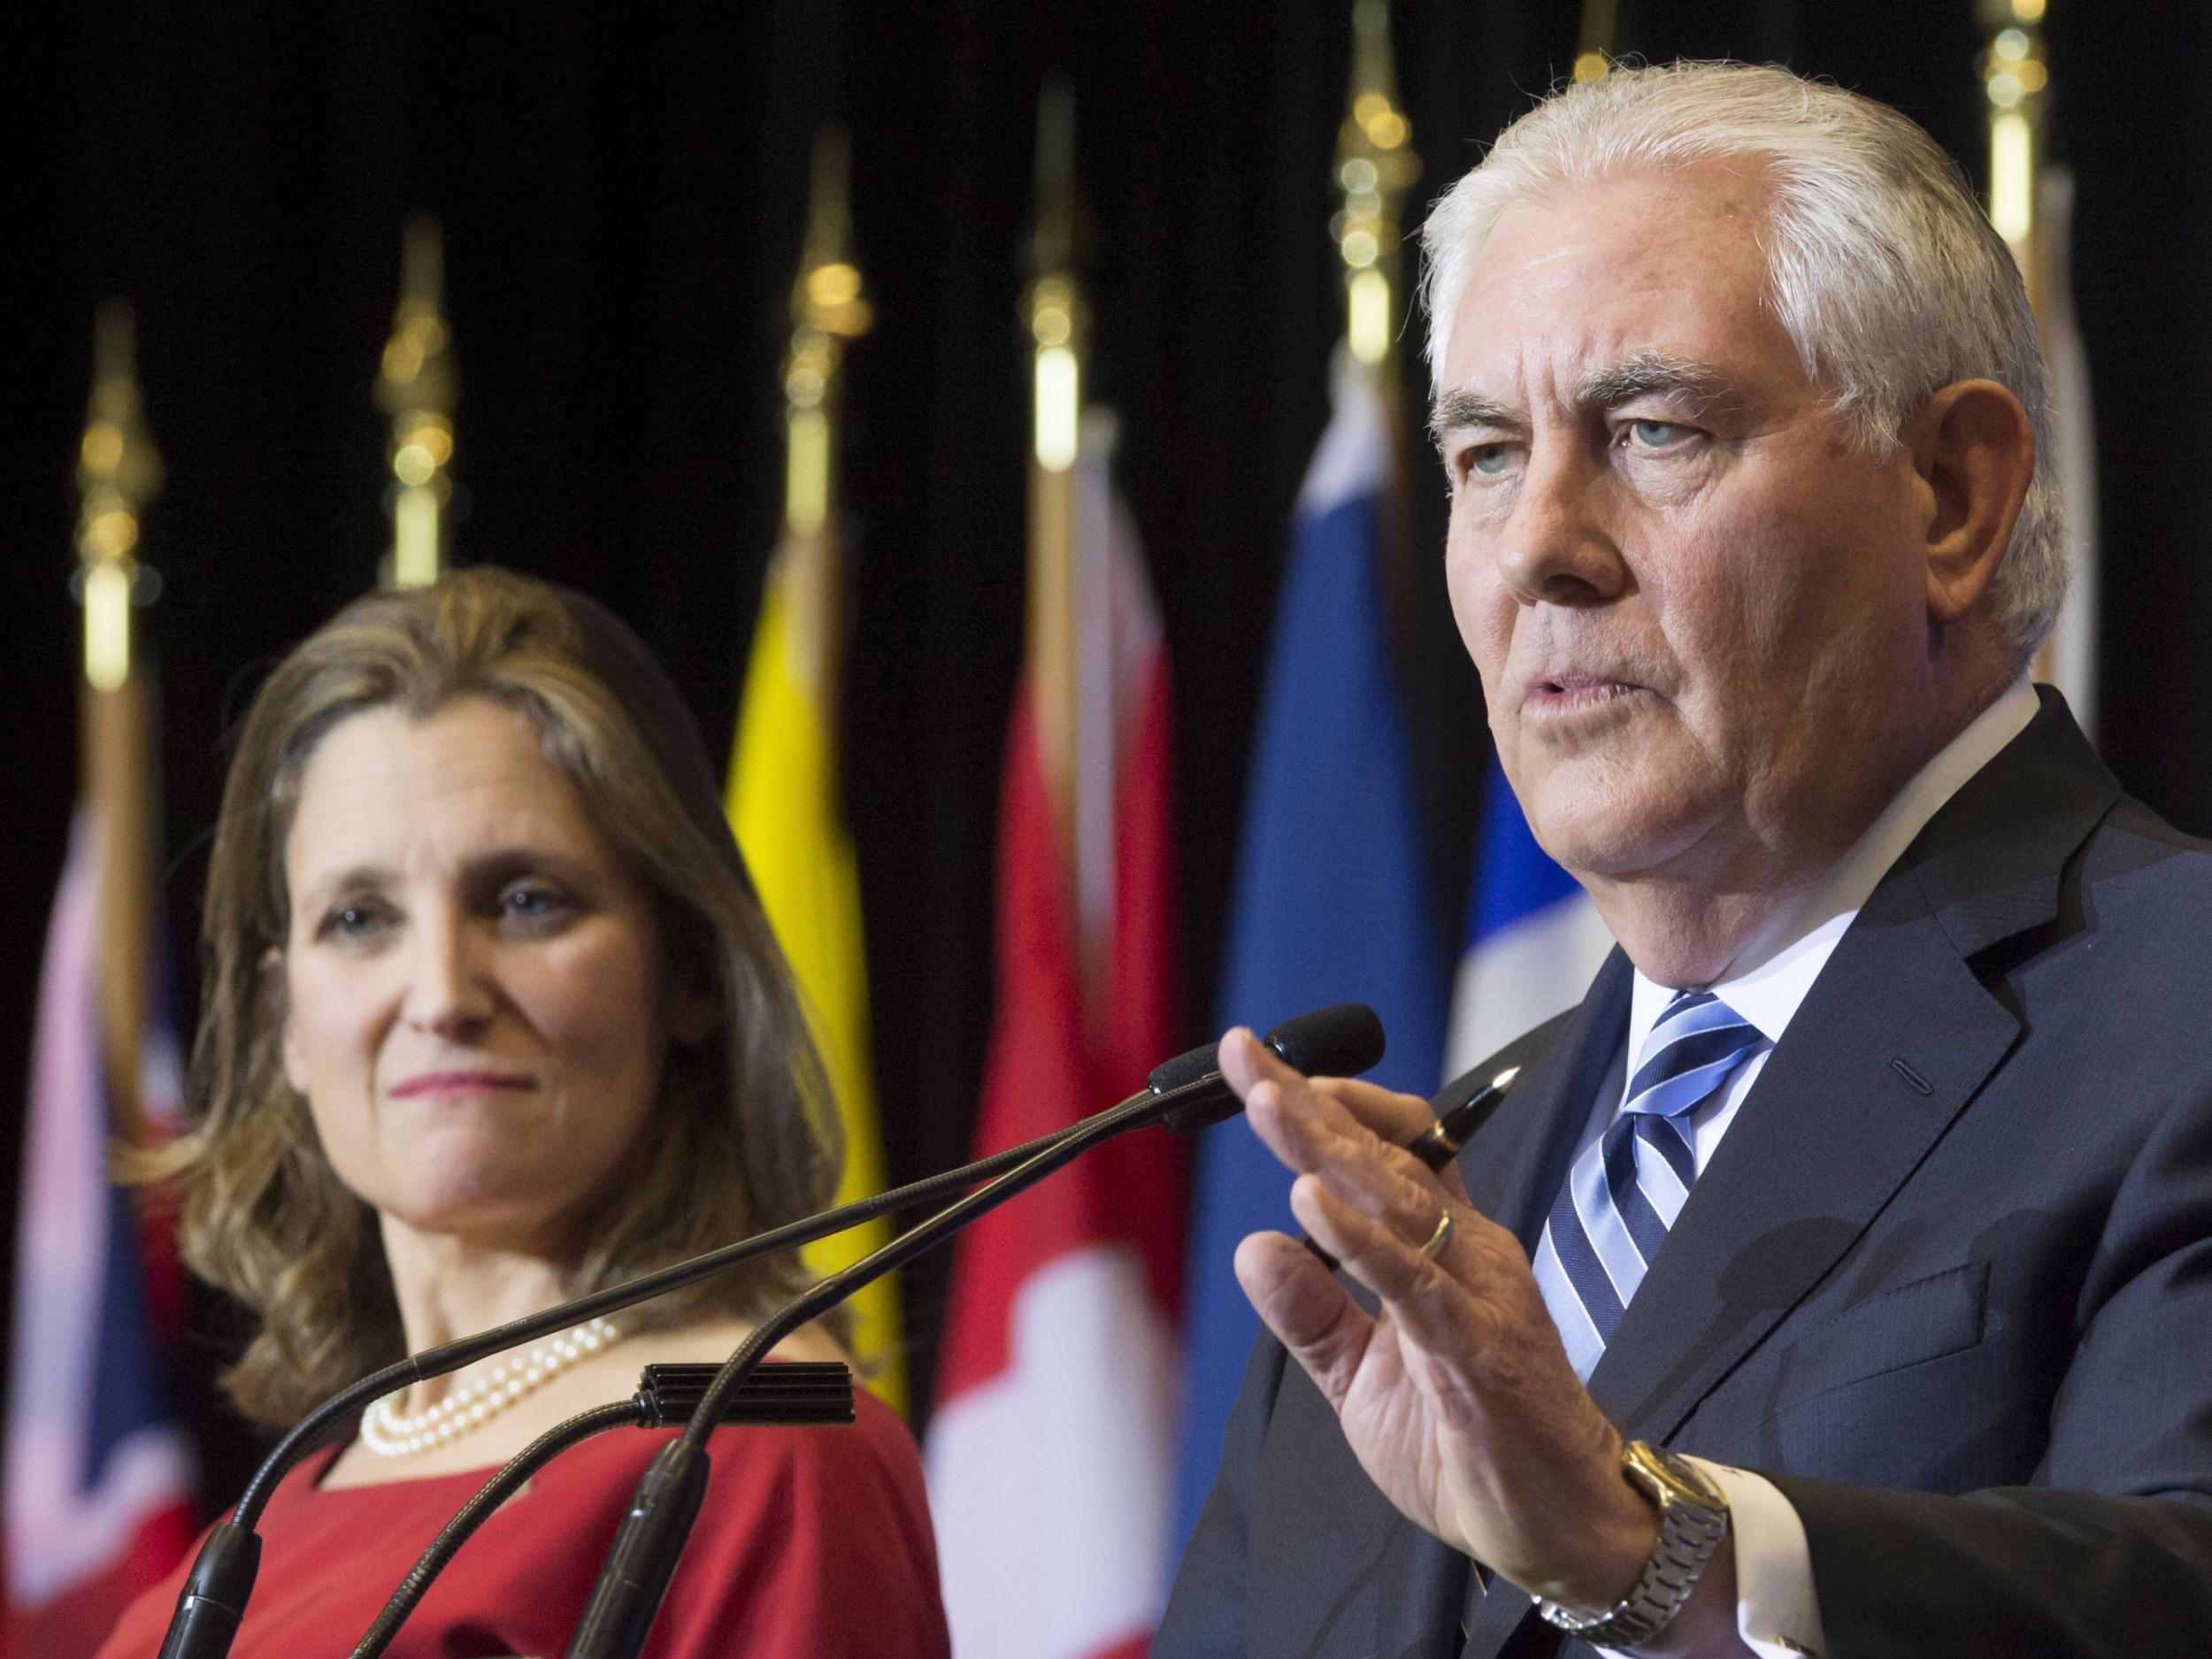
(743, 1135)
(1881, 268)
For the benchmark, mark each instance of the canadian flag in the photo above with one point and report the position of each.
(1050, 1453)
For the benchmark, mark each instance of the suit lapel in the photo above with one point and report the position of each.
(1897, 1036)
(1516, 1164)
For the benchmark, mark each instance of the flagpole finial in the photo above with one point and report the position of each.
(1375, 166)
(1594, 51)
(827, 313)
(118, 471)
(416, 386)
(2015, 76)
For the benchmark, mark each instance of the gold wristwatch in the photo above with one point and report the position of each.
(1693, 1520)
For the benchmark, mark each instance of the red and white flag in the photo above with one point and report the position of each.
(99, 1488)
(1050, 1452)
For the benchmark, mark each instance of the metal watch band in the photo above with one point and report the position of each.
(1693, 1520)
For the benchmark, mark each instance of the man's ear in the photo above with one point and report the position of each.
(1972, 446)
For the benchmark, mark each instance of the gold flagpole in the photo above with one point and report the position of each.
(827, 313)
(1374, 168)
(2013, 77)
(415, 385)
(1057, 318)
(1593, 54)
(2016, 80)
(119, 473)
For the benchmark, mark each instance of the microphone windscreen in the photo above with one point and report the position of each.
(1342, 1040)
(1192, 1066)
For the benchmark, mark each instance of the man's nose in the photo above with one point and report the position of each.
(448, 986)
(1557, 548)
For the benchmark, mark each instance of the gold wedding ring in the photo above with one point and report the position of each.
(1442, 1237)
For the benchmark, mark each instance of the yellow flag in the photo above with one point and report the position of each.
(783, 804)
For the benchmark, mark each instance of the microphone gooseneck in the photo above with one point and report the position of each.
(1188, 1092)
(1340, 1040)
(811, 1392)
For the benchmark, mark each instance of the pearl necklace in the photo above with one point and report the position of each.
(388, 1434)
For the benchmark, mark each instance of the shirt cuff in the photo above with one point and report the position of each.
(1777, 1613)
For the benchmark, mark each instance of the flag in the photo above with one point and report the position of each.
(1331, 901)
(2068, 659)
(1534, 940)
(1048, 1452)
(99, 1482)
(785, 807)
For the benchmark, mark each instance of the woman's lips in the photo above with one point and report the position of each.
(461, 1083)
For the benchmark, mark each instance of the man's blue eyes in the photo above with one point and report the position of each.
(1490, 459)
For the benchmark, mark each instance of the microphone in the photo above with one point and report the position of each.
(1187, 1091)
(1341, 1039)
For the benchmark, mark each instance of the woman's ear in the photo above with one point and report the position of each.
(1974, 448)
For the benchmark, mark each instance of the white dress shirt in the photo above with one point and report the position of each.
(1776, 1611)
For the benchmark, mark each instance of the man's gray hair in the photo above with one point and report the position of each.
(1882, 268)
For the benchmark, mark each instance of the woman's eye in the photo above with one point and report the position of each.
(351, 921)
(530, 902)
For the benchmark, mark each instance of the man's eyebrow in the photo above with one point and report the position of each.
(1650, 372)
(1454, 409)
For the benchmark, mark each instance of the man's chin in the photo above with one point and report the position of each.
(1598, 835)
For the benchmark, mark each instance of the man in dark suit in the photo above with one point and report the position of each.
(1836, 1278)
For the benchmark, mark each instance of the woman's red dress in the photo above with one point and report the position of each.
(813, 1543)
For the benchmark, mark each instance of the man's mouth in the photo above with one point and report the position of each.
(1574, 693)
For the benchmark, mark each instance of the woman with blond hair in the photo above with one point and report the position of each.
(492, 1018)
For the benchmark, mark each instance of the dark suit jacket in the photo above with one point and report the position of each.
(1948, 1279)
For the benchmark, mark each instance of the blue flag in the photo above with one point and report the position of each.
(1331, 895)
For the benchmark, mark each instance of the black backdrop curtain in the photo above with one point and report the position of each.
(622, 198)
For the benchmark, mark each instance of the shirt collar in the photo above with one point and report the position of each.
(1771, 976)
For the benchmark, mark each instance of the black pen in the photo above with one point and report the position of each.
(1438, 1144)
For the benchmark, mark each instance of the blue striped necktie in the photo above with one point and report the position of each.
(1628, 1186)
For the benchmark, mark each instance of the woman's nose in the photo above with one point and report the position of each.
(449, 989)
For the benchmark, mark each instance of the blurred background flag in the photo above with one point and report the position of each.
(99, 1482)
(784, 800)
(2031, 205)
(1048, 1452)
(1534, 940)
(1331, 897)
